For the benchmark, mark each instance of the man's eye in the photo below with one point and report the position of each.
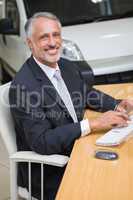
(56, 35)
(44, 37)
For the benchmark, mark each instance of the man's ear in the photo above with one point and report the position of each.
(29, 42)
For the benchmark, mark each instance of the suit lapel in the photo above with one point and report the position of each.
(71, 81)
(46, 84)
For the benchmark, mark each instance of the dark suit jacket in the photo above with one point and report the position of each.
(42, 121)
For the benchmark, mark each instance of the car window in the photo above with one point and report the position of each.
(72, 12)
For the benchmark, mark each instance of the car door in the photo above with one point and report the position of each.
(14, 49)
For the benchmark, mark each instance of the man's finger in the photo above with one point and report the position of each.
(123, 115)
(121, 109)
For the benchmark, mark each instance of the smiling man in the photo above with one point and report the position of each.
(44, 40)
(48, 97)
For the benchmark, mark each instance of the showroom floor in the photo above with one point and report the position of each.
(4, 172)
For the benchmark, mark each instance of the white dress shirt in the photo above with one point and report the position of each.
(49, 71)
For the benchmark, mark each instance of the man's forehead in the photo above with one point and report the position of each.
(44, 25)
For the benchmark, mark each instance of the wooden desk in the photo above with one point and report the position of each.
(88, 178)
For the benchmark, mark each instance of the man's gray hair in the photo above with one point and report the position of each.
(46, 15)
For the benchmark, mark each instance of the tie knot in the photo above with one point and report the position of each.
(57, 75)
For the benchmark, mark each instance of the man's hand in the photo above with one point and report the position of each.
(108, 120)
(125, 106)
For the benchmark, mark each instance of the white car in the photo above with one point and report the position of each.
(98, 33)
(1, 9)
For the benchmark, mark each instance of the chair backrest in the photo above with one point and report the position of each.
(7, 130)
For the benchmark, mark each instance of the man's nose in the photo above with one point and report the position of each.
(52, 41)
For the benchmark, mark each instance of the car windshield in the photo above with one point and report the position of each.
(72, 12)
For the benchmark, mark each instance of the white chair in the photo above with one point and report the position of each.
(7, 132)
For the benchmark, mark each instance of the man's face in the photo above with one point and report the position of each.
(45, 41)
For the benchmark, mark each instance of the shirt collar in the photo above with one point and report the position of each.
(49, 71)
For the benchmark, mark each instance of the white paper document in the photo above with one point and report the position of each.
(116, 135)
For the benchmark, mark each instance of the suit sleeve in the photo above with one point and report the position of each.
(100, 101)
(36, 130)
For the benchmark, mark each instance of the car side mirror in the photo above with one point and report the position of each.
(6, 27)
